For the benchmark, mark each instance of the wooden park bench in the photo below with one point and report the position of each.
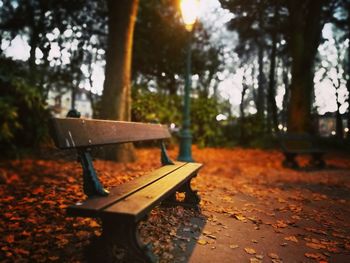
(293, 144)
(124, 206)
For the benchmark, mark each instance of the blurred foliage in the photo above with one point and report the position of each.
(161, 45)
(150, 106)
(24, 116)
(206, 130)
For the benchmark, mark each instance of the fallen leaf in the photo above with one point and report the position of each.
(280, 224)
(273, 256)
(315, 246)
(10, 238)
(292, 238)
(38, 190)
(317, 256)
(202, 242)
(21, 251)
(250, 251)
(284, 244)
(234, 246)
(255, 260)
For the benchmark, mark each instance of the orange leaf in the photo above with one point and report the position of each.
(292, 238)
(38, 190)
(10, 238)
(21, 251)
(315, 246)
(250, 250)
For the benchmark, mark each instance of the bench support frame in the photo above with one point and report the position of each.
(290, 161)
(91, 184)
(316, 161)
(120, 241)
(191, 200)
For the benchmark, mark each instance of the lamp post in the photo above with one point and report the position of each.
(189, 11)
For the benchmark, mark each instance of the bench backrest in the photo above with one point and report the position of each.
(71, 133)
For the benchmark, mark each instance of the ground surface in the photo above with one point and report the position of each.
(253, 210)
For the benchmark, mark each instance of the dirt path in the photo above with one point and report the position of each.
(257, 211)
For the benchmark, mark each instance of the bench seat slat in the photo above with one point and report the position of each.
(136, 206)
(74, 133)
(91, 206)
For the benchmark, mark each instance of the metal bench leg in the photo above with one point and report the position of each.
(317, 160)
(191, 200)
(289, 161)
(120, 242)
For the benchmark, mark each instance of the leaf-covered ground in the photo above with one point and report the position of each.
(253, 209)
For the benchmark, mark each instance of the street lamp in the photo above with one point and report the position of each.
(189, 12)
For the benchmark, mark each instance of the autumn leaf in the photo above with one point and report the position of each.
(10, 238)
(240, 218)
(273, 256)
(250, 251)
(317, 256)
(255, 260)
(315, 246)
(21, 251)
(38, 190)
(202, 241)
(292, 238)
(280, 224)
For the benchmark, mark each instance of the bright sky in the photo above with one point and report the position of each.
(230, 87)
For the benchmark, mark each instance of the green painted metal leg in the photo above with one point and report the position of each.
(91, 184)
(164, 156)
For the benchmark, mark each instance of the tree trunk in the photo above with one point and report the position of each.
(338, 120)
(348, 72)
(286, 97)
(260, 106)
(306, 26)
(272, 83)
(243, 136)
(116, 98)
(261, 85)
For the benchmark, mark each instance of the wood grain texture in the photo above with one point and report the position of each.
(74, 133)
(139, 204)
(92, 206)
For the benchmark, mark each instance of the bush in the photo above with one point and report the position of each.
(154, 107)
(207, 131)
(23, 118)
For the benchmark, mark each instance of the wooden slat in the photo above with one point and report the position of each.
(73, 133)
(90, 207)
(136, 206)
